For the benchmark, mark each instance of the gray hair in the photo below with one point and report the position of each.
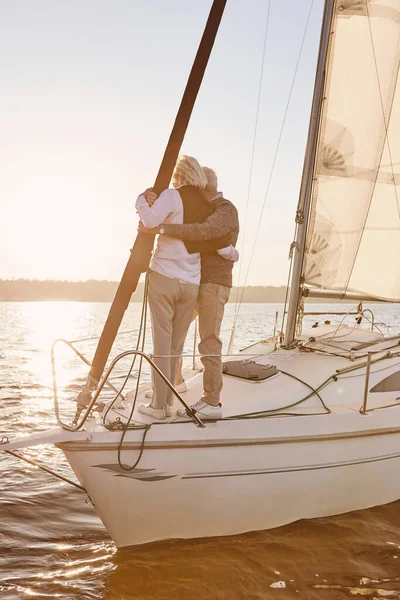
(188, 172)
(212, 179)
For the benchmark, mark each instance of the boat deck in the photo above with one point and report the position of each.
(325, 351)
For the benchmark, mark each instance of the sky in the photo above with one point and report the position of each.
(89, 90)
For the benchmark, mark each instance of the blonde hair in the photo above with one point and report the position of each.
(212, 179)
(188, 172)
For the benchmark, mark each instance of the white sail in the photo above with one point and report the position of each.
(353, 241)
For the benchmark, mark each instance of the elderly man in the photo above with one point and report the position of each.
(174, 274)
(220, 228)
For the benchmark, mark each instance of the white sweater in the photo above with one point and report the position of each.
(170, 258)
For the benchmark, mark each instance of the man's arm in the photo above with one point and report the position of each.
(154, 215)
(229, 253)
(223, 220)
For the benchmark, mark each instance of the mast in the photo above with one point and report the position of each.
(141, 252)
(304, 204)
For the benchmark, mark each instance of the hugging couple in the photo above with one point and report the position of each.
(191, 269)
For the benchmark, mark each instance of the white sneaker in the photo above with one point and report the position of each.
(156, 413)
(181, 388)
(205, 411)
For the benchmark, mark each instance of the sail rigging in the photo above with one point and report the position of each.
(353, 240)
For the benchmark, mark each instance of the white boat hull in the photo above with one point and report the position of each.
(219, 489)
(244, 474)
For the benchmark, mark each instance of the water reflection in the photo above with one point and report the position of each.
(52, 545)
(325, 558)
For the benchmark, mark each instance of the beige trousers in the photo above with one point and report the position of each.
(171, 305)
(210, 305)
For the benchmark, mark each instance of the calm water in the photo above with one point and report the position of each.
(54, 546)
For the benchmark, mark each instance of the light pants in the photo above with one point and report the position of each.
(171, 305)
(210, 305)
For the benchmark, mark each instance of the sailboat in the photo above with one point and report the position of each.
(311, 422)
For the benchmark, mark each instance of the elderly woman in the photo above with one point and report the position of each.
(174, 274)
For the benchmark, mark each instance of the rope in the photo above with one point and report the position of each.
(315, 391)
(142, 331)
(272, 413)
(330, 337)
(266, 413)
(367, 410)
(275, 155)
(337, 355)
(147, 428)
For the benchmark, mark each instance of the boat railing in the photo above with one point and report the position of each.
(94, 338)
(363, 410)
(79, 420)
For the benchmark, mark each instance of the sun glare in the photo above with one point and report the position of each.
(47, 322)
(55, 224)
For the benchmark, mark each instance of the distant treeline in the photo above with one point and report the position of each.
(28, 290)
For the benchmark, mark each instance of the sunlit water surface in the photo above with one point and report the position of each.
(54, 546)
